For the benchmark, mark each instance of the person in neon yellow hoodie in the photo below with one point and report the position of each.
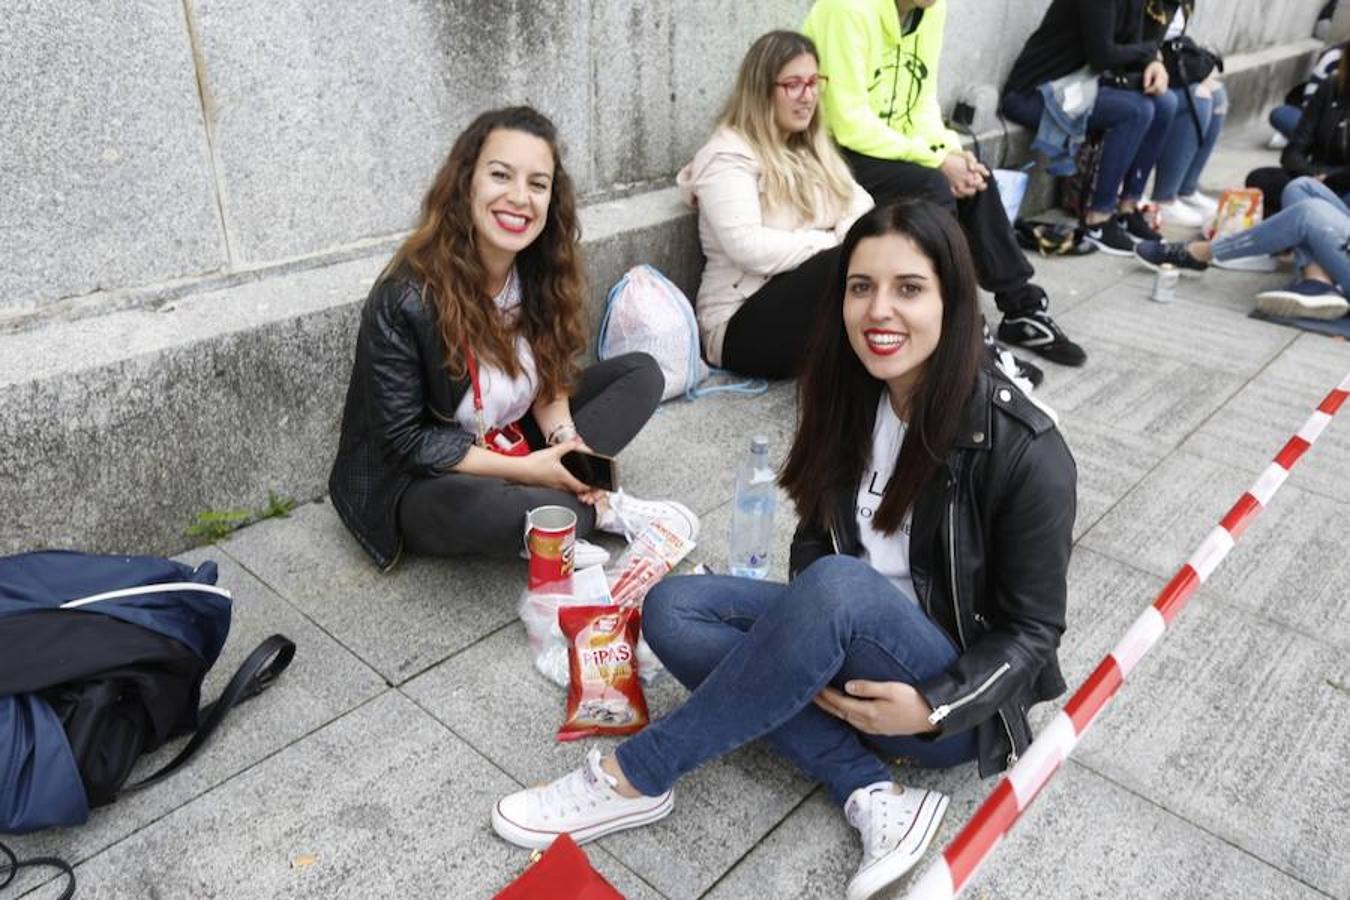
(881, 58)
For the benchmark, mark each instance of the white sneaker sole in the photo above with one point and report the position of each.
(1296, 306)
(1107, 248)
(687, 526)
(536, 839)
(1264, 263)
(899, 861)
(691, 520)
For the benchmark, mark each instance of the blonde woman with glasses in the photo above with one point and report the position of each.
(774, 200)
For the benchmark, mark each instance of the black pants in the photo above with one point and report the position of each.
(1271, 182)
(1000, 264)
(457, 514)
(767, 336)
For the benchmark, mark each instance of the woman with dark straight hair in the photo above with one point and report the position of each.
(1319, 147)
(936, 508)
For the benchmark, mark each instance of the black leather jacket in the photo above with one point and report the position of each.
(989, 553)
(1320, 145)
(399, 420)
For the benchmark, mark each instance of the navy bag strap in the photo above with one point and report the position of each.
(256, 675)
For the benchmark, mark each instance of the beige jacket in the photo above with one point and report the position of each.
(744, 242)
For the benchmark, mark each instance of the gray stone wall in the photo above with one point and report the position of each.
(146, 143)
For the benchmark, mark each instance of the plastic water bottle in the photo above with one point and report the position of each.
(752, 517)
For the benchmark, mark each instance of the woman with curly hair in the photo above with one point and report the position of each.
(465, 393)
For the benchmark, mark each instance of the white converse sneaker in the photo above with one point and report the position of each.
(627, 515)
(897, 824)
(582, 803)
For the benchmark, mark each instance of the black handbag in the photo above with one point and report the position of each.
(1187, 62)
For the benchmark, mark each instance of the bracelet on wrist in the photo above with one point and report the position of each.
(564, 431)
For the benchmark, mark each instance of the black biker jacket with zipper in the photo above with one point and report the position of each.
(398, 423)
(989, 552)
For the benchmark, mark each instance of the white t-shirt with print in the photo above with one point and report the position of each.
(505, 399)
(888, 554)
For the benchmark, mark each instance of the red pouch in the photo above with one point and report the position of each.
(562, 873)
(604, 695)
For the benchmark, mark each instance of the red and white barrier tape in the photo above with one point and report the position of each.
(952, 871)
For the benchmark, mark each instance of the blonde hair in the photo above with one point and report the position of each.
(795, 165)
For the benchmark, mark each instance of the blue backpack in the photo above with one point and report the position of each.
(103, 661)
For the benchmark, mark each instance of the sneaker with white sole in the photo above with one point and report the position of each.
(584, 555)
(1263, 262)
(626, 515)
(1034, 330)
(897, 824)
(582, 803)
(1307, 299)
(1202, 203)
(1138, 226)
(1020, 372)
(1156, 254)
(1109, 237)
(1176, 214)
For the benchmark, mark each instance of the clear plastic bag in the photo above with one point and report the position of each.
(548, 646)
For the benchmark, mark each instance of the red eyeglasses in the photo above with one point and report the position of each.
(796, 88)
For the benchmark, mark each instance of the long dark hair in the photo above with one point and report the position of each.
(837, 398)
(441, 253)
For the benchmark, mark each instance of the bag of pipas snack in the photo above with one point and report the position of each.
(604, 695)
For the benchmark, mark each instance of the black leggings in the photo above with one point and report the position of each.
(1001, 265)
(457, 514)
(1271, 182)
(767, 336)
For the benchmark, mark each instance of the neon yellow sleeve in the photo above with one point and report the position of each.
(840, 33)
(929, 129)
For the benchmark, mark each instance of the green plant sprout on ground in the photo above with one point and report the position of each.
(213, 524)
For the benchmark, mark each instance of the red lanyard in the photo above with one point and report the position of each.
(472, 365)
(508, 440)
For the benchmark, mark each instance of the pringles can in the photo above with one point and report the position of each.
(550, 538)
(1165, 283)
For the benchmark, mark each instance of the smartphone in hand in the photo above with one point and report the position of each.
(592, 469)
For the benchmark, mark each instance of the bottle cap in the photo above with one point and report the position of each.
(759, 444)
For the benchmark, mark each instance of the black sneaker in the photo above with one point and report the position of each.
(1015, 367)
(1109, 237)
(1156, 254)
(1137, 227)
(1037, 332)
(1307, 299)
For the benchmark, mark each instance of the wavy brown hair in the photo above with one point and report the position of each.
(837, 397)
(441, 254)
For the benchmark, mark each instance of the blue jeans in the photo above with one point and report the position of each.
(1135, 125)
(1184, 154)
(755, 653)
(1313, 221)
(1284, 119)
